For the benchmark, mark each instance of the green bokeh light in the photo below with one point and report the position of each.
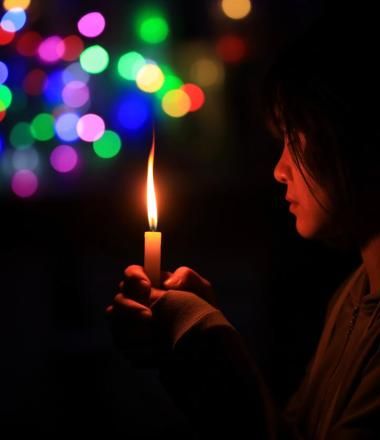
(21, 136)
(129, 64)
(42, 127)
(171, 82)
(5, 97)
(94, 59)
(152, 27)
(108, 145)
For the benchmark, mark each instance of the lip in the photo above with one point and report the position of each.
(292, 201)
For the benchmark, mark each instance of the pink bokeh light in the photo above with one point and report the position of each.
(90, 127)
(64, 158)
(75, 94)
(51, 49)
(24, 183)
(92, 24)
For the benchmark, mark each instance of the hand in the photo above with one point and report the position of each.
(187, 279)
(131, 316)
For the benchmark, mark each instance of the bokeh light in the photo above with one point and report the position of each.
(53, 87)
(11, 4)
(129, 65)
(35, 82)
(176, 103)
(1, 145)
(108, 145)
(231, 48)
(3, 72)
(3, 113)
(13, 20)
(19, 100)
(92, 24)
(75, 94)
(207, 72)
(90, 127)
(236, 9)
(171, 82)
(5, 97)
(94, 59)
(196, 95)
(74, 72)
(65, 127)
(20, 136)
(64, 158)
(152, 27)
(27, 44)
(6, 37)
(42, 127)
(51, 49)
(150, 78)
(72, 48)
(25, 159)
(133, 111)
(24, 183)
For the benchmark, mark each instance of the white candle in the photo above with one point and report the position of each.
(152, 247)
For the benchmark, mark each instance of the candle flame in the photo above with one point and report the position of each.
(150, 192)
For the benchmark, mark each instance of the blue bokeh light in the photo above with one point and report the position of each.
(134, 111)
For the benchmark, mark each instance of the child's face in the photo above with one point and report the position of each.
(311, 218)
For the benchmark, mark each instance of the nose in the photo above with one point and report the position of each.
(282, 171)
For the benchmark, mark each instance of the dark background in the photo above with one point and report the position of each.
(221, 213)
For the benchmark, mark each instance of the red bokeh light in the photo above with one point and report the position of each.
(3, 113)
(28, 43)
(73, 48)
(34, 82)
(6, 37)
(196, 95)
(231, 48)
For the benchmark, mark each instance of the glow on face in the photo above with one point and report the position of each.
(90, 127)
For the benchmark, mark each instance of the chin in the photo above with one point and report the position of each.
(309, 231)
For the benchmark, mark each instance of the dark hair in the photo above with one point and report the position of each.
(324, 85)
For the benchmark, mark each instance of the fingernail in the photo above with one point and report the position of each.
(170, 281)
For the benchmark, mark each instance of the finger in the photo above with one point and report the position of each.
(136, 271)
(186, 277)
(136, 284)
(165, 275)
(121, 302)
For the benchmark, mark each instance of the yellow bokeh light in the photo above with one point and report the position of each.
(207, 72)
(176, 103)
(11, 4)
(236, 9)
(150, 78)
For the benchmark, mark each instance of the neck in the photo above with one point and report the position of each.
(371, 259)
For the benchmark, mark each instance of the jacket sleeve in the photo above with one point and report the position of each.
(210, 374)
(360, 419)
